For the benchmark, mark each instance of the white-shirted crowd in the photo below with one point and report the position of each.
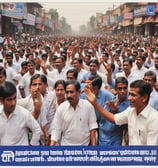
(52, 90)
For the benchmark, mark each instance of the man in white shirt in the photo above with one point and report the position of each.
(15, 121)
(59, 72)
(40, 104)
(139, 70)
(75, 120)
(10, 63)
(77, 63)
(141, 118)
(25, 81)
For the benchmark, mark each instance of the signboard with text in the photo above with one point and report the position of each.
(78, 155)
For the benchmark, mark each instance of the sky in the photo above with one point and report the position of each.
(79, 13)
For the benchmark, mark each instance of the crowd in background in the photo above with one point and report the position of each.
(48, 76)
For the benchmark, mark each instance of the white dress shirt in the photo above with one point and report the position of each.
(139, 73)
(72, 127)
(142, 128)
(55, 75)
(14, 129)
(25, 82)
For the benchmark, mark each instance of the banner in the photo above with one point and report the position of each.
(78, 155)
(111, 19)
(140, 11)
(14, 10)
(150, 10)
(128, 15)
(30, 20)
(119, 18)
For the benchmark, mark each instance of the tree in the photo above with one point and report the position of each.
(92, 22)
(54, 14)
(83, 28)
(66, 28)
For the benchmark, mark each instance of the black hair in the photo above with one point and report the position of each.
(58, 82)
(142, 57)
(74, 71)
(45, 55)
(75, 83)
(61, 58)
(144, 88)
(151, 73)
(24, 63)
(106, 54)
(31, 61)
(79, 60)
(121, 80)
(95, 61)
(36, 76)
(96, 81)
(7, 89)
(128, 60)
(54, 57)
(3, 71)
(112, 66)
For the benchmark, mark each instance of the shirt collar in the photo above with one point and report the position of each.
(80, 104)
(3, 113)
(145, 111)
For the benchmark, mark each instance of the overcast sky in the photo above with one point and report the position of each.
(78, 13)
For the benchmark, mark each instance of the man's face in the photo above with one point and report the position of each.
(9, 60)
(121, 90)
(156, 64)
(139, 62)
(58, 63)
(136, 100)
(70, 76)
(95, 90)
(126, 66)
(24, 69)
(9, 103)
(149, 80)
(38, 86)
(72, 95)
(2, 78)
(105, 58)
(86, 59)
(76, 64)
(31, 67)
(17, 55)
(60, 91)
(93, 68)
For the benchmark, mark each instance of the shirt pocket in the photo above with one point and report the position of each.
(143, 136)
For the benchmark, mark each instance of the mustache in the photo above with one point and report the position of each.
(69, 98)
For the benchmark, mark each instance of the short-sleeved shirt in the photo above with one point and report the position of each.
(14, 129)
(110, 133)
(102, 97)
(72, 127)
(142, 128)
(25, 82)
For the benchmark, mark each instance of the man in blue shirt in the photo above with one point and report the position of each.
(93, 70)
(110, 133)
(102, 95)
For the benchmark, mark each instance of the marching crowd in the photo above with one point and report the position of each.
(75, 90)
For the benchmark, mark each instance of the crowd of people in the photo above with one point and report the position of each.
(75, 90)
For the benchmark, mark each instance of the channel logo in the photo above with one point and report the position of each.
(7, 156)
